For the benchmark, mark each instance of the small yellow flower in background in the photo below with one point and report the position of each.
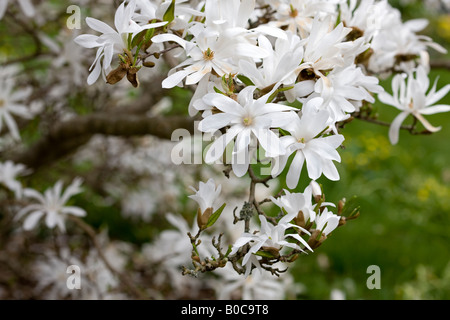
(443, 28)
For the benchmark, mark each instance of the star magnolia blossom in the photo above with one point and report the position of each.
(298, 205)
(52, 204)
(298, 15)
(273, 237)
(12, 102)
(344, 89)
(8, 176)
(248, 119)
(279, 65)
(207, 194)
(318, 152)
(111, 41)
(410, 97)
(327, 221)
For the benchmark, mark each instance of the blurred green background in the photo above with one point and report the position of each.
(404, 194)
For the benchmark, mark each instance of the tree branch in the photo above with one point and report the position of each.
(65, 137)
(440, 64)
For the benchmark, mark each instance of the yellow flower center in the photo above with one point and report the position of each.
(294, 12)
(247, 121)
(208, 54)
(301, 140)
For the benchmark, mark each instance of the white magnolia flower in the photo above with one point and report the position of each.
(50, 271)
(26, 6)
(207, 195)
(248, 119)
(12, 101)
(324, 49)
(397, 39)
(368, 16)
(279, 66)
(298, 205)
(112, 41)
(297, 16)
(209, 51)
(327, 221)
(410, 97)
(318, 152)
(8, 176)
(270, 236)
(52, 205)
(344, 89)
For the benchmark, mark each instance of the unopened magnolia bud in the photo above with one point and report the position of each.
(316, 191)
(203, 217)
(300, 219)
(196, 258)
(148, 64)
(272, 251)
(316, 239)
(132, 76)
(117, 74)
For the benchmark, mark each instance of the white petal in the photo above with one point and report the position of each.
(215, 122)
(27, 7)
(169, 37)
(395, 127)
(99, 26)
(93, 76)
(435, 109)
(293, 176)
(270, 142)
(432, 99)
(12, 126)
(31, 221)
(87, 41)
(426, 124)
(74, 210)
(174, 79)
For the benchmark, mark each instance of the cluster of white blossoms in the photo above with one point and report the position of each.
(274, 80)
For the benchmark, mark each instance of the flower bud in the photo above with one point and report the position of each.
(316, 239)
(202, 218)
(272, 251)
(117, 74)
(316, 191)
(300, 219)
(148, 64)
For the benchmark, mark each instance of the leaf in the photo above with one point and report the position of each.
(137, 39)
(195, 249)
(351, 207)
(265, 254)
(169, 15)
(245, 80)
(274, 95)
(230, 247)
(213, 218)
(217, 90)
